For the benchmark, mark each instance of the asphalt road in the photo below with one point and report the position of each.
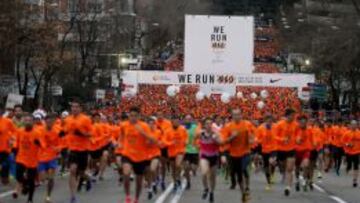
(331, 189)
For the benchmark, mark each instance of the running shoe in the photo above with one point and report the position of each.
(205, 194)
(73, 200)
(211, 197)
(287, 191)
(128, 199)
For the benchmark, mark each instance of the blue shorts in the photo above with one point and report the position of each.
(45, 166)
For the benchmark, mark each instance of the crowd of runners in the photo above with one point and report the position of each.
(154, 151)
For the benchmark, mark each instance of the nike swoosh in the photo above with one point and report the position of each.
(274, 81)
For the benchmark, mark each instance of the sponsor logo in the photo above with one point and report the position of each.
(218, 38)
(274, 81)
(161, 78)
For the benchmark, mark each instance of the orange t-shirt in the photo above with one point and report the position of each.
(352, 137)
(28, 151)
(52, 143)
(337, 135)
(266, 137)
(328, 134)
(319, 137)
(163, 125)
(285, 135)
(153, 148)
(240, 145)
(224, 147)
(115, 133)
(7, 133)
(82, 124)
(118, 137)
(133, 142)
(305, 138)
(101, 136)
(176, 139)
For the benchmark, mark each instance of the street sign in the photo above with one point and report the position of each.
(56, 90)
(318, 91)
(13, 99)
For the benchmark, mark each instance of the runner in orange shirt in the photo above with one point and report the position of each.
(266, 137)
(177, 138)
(238, 134)
(100, 145)
(118, 142)
(28, 146)
(328, 149)
(286, 144)
(64, 154)
(217, 127)
(48, 155)
(163, 124)
(351, 142)
(7, 132)
(154, 154)
(317, 154)
(337, 142)
(78, 128)
(135, 138)
(304, 145)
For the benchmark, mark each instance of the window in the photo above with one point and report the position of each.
(73, 6)
(95, 6)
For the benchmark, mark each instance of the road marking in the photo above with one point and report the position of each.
(177, 196)
(8, 193)
(164, 195)
(318, 188)
(337, 199)
(322, 190)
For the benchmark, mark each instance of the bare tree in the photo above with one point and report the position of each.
(334, 50)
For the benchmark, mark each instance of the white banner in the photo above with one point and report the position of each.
(129, 79)
(218, 89)
(219, 44)
(263, 79)
(13, 99)
(100, 94)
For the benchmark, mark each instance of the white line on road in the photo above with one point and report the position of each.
(177, 196)
(337, 199)
(164, 195)
(5, 194)
(318, 188)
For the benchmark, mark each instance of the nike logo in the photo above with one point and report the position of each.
(274, 81)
